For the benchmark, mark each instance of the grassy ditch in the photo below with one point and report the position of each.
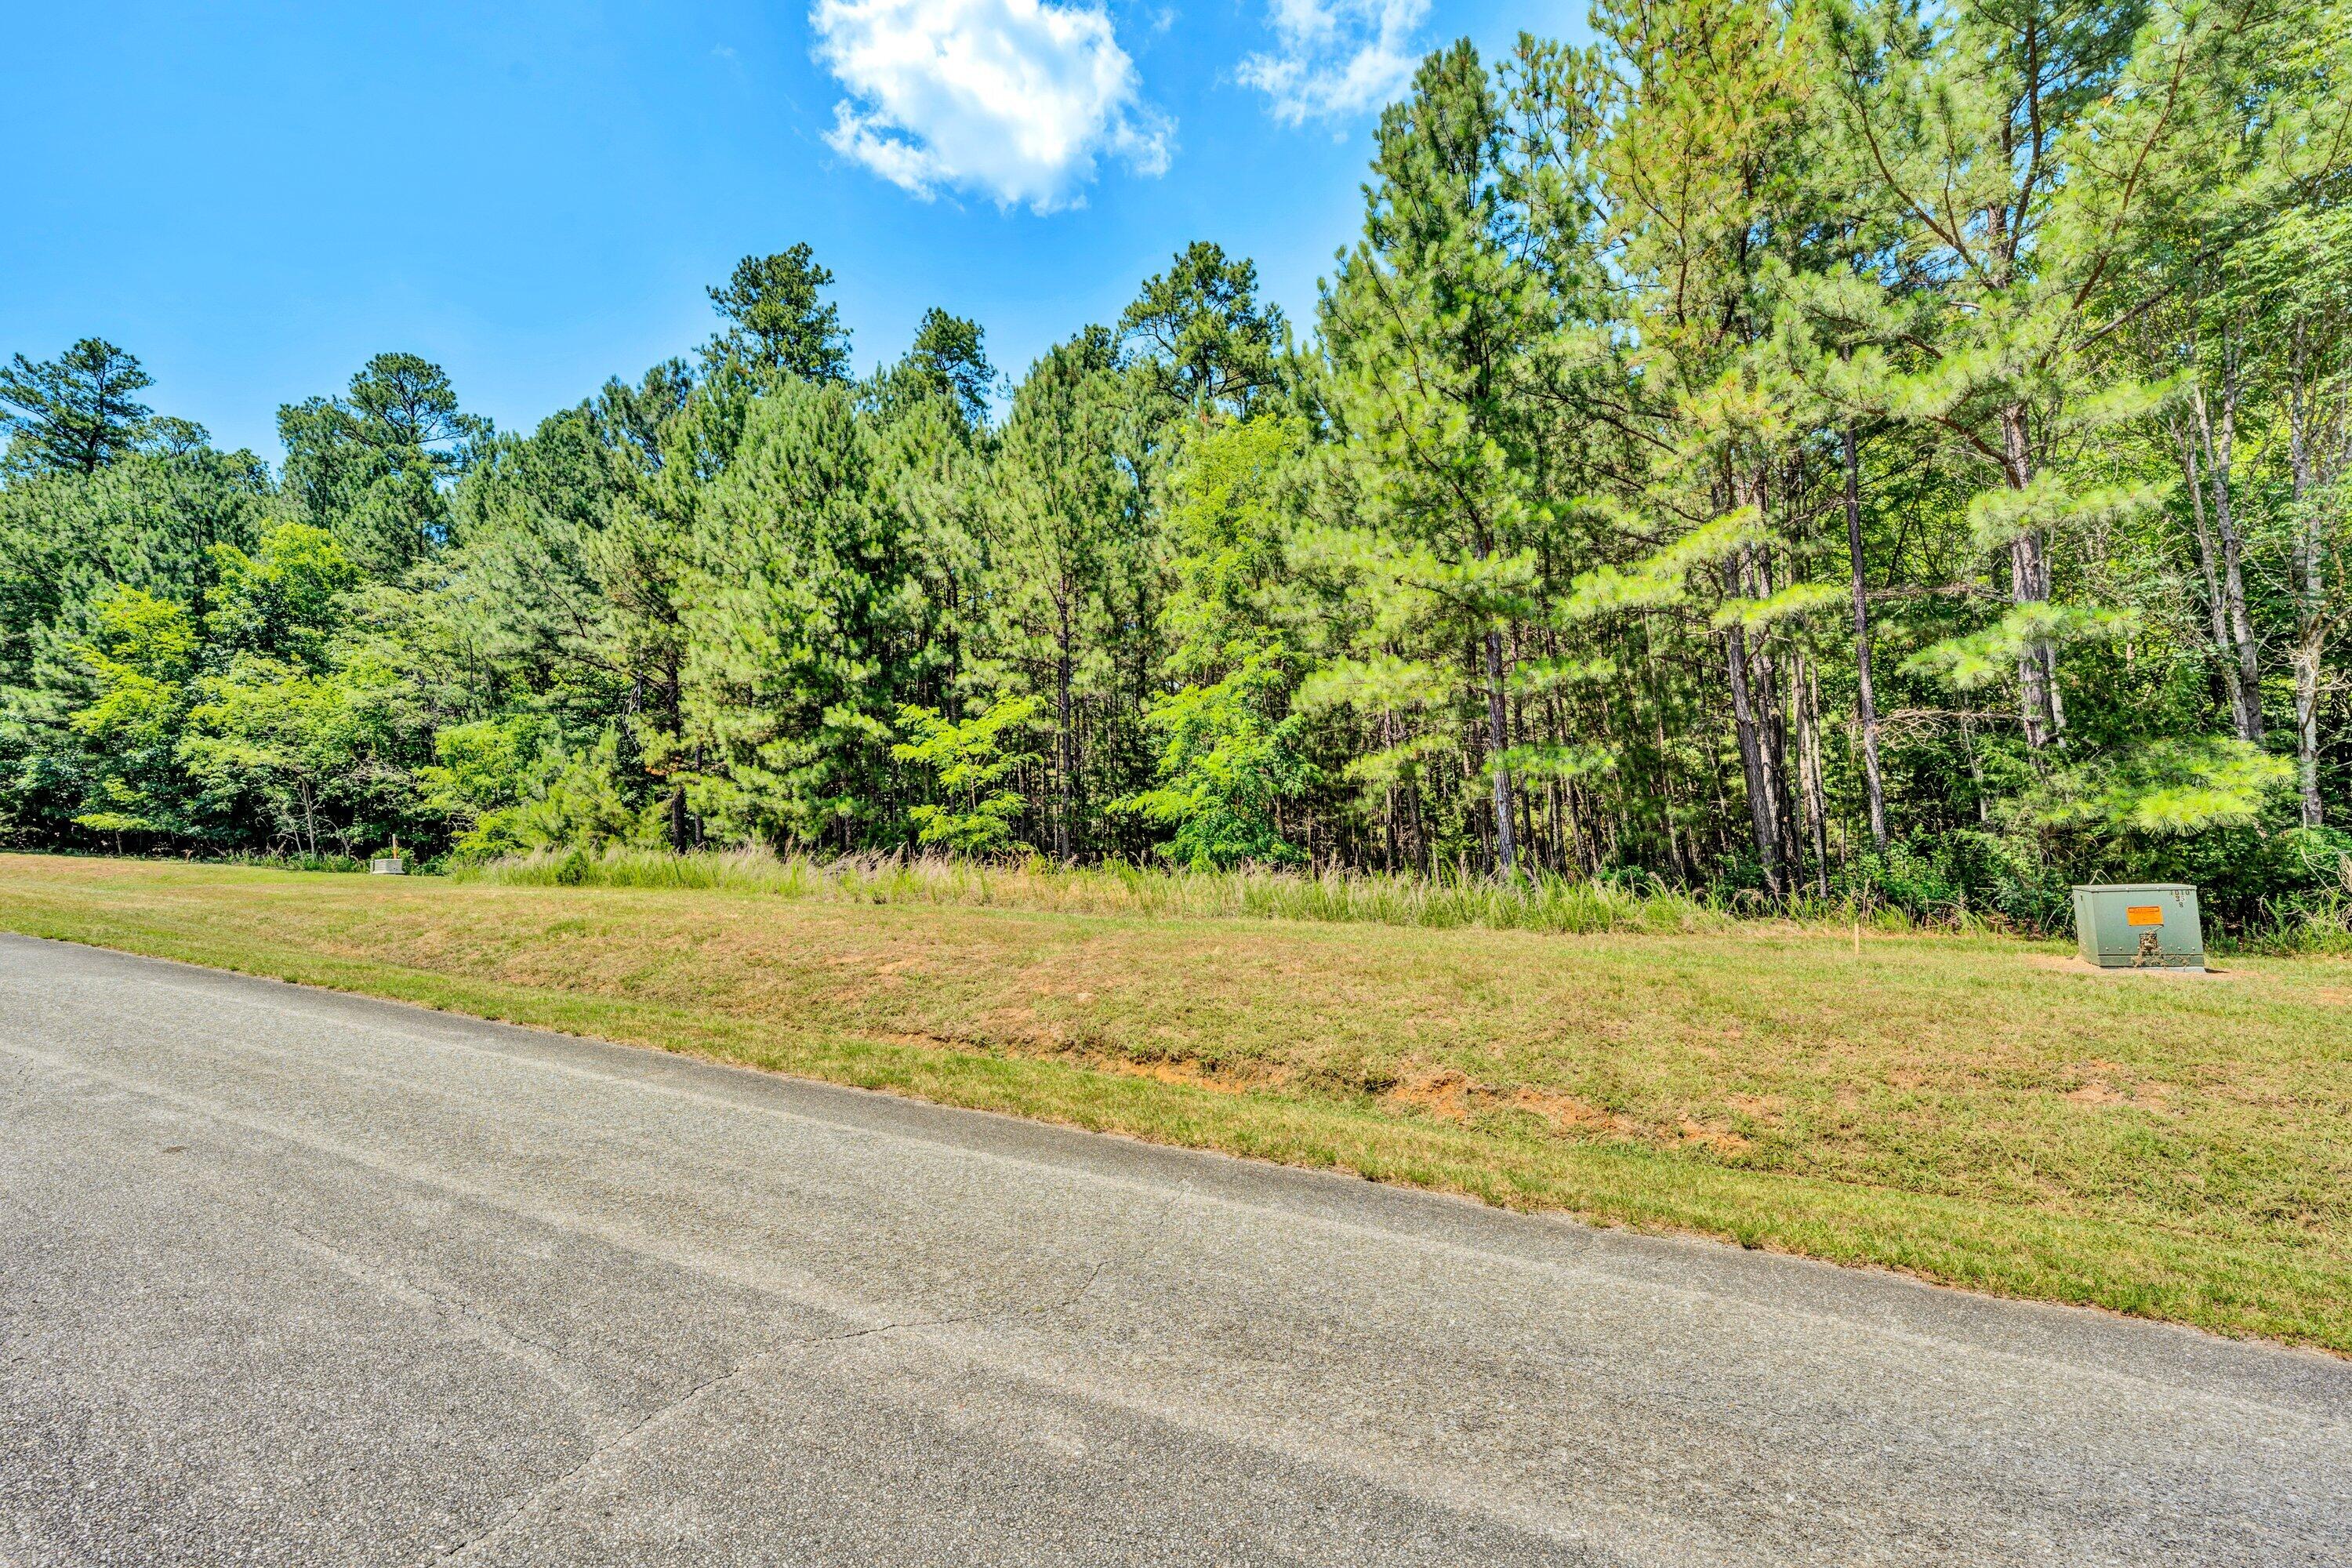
(1967, 1107)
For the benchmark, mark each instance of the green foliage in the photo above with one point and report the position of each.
(1201, 325)
(950, 355)
(322, 754)
(1780, 453)
(375, 466)
(74, 414)
(1981, 658)
(2161, 789)
(142, 653)
(805, 624)
(484, 777)
(970, 761)
(280, 600)
(778, 321)
(1226, 765)
(1070, 567)
(1916, 879)
(578, 797)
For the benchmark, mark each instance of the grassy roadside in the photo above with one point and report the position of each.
(1964, 1108)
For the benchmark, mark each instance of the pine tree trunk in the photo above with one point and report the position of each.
(1498, 742)
(1497, 731)
(2029, 582)
(1684, 870)
(1772, 707)
(1389, 837)
(2306, 731)
(672, 689)
(2245, 686)
(1815, 799)
(2310, 586)
(1764, 674)
(1866, 701)
(1976, 771)
(2217, 616)
(1423, 860)
(1761, 814)
(1064, 763)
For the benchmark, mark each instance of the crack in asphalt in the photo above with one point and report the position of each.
(542, 1358)
(1155, 1234)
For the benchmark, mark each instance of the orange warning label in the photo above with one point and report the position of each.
(2144, 915)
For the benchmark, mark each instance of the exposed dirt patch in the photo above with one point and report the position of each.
(1219, 1077)
(2077, 964)
(2103, 1083)
(1236, 1078)
(1441, 1091)
(1722, 1140)
(1567, 1114)
(1455, 1096)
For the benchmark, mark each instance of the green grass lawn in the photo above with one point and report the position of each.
(1970, 1108)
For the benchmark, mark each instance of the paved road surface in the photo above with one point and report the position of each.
(292, 1278)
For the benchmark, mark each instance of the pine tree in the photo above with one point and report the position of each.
(76, 413)
(1066, 547)
(778, 321)
(803, 615)
(1431, 328)
(375, 466)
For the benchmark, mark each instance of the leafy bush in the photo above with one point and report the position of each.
(971, 760)
(1226, 762)
(1905, 877)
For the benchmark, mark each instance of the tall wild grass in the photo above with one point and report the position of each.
(1446, 900)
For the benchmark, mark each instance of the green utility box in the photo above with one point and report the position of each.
(2140, 925)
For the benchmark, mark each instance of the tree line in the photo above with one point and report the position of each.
(1807, 447)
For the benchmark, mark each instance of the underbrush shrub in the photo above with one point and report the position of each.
(2315, 918)
(289, 861)
(1904, 878)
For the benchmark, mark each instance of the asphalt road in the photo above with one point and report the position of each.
(293, 1277)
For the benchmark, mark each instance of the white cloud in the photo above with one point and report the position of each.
(1335, 57)
(1015, 99)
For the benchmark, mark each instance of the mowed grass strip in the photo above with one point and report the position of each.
(1970, 1109)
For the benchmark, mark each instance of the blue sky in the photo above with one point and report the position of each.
(256, 197)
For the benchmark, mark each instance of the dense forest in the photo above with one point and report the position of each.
(1898, 451)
